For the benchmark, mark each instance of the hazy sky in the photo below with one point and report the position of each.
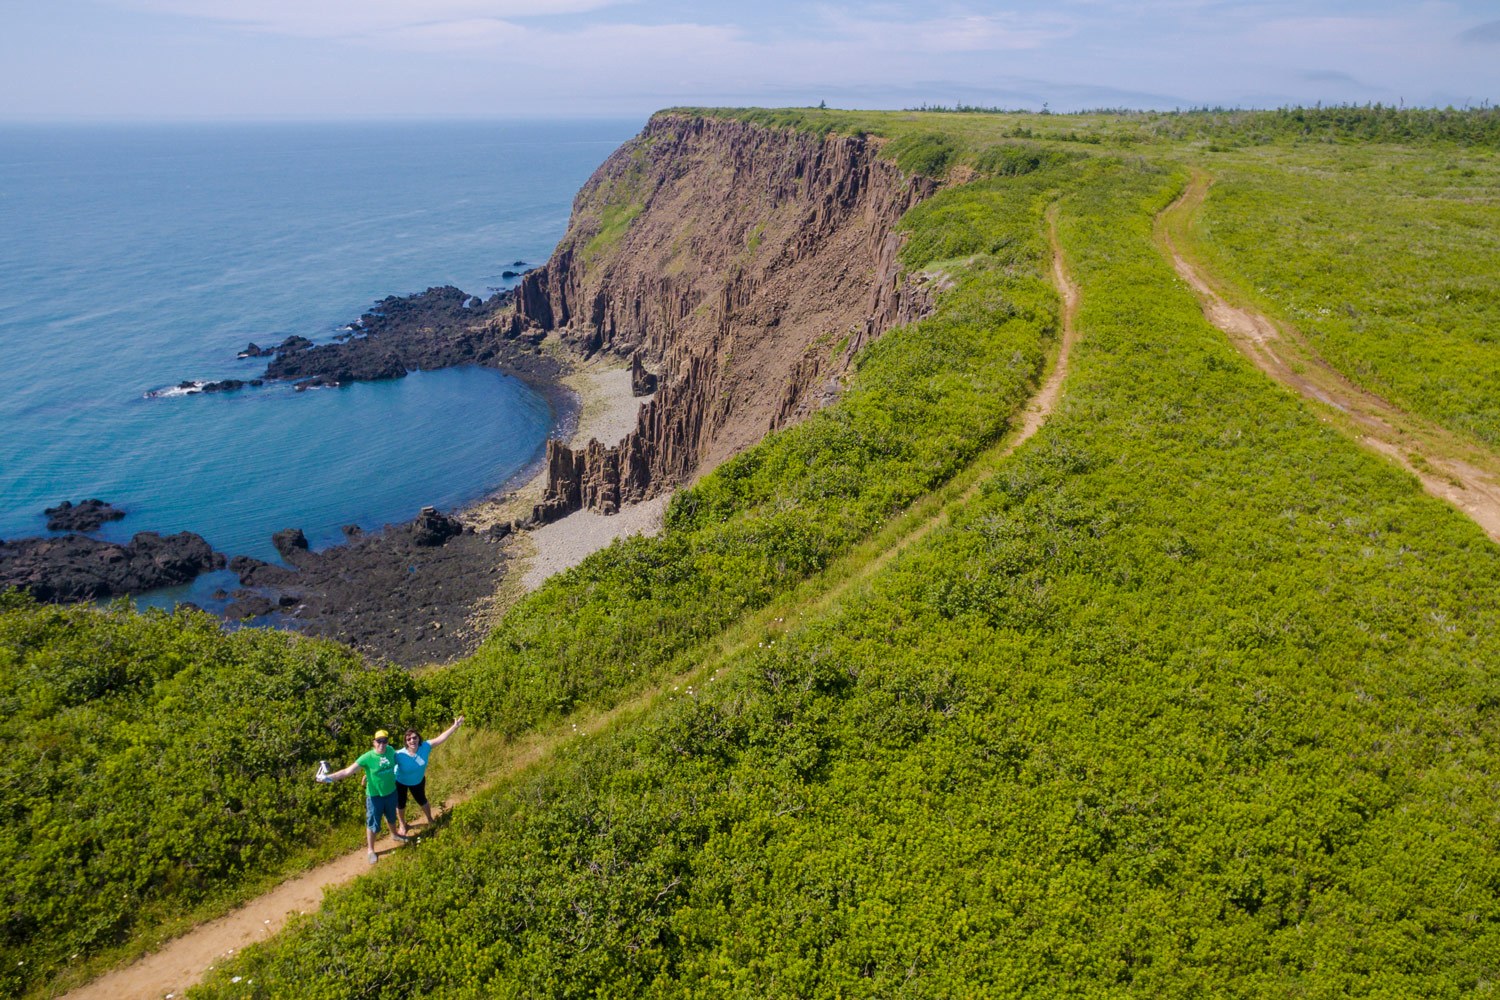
(195, 59)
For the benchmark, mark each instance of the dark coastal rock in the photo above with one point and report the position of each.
(248, 604)
(290, 542)
(78, 568)
(352, 531)
(254, 573)
(336, 364)
(518, 263)
(438, 328)
(434, 528)
(384, 592)
(510, 274)
(193, 387)
(86, 515)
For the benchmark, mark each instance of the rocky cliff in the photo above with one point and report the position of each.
(740, 265)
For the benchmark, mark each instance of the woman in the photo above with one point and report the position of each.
(411, 771)
(379, 766)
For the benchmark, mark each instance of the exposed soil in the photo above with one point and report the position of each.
(1045, 401)
(1446, 467)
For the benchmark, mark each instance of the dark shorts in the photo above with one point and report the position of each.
(417, 791)
(377, 806)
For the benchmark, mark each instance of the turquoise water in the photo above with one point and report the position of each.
(132, 258)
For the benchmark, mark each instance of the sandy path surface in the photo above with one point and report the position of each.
(1424, 449)
(1045, 401)
(1034, 416)
(184, 961)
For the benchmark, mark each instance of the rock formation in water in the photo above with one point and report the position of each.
(86, 515)
(746, 264)
(79, 568)
(438, 328)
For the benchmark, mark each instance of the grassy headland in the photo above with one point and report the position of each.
(1193, 697)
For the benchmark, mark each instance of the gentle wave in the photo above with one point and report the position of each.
(181, 389)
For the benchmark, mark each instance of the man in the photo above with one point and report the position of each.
(379, 766)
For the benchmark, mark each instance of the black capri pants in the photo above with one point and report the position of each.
(417, 791)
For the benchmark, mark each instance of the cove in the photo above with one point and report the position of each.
(234, 467)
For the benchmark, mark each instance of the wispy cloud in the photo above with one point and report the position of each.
(478, 34)
(1482, 34)
(332, 19)
(1334, 32)
(957, 32)
(471, 56)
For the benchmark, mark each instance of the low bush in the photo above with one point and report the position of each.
(155, 762)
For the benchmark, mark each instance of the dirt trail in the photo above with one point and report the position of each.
(1448, 468)
(184, 961)
(1045, 401)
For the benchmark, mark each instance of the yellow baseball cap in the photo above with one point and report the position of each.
(381, 734)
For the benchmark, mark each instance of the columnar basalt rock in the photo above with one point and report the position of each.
(642, 382)
(747, 265)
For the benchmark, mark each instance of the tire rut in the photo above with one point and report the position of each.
(1426, 450)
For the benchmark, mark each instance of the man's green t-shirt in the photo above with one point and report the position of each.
(380, 771)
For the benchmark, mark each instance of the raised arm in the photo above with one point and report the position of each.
(345, 773)
(440, 737)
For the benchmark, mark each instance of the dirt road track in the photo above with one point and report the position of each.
(1424, 449)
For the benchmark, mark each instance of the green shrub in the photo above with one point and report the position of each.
(155, 762)
(928, 154)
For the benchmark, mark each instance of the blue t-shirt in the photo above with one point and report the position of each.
(411, 768)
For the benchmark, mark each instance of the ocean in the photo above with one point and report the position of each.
(134, 257)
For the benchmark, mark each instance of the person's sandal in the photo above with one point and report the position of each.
(373, 857)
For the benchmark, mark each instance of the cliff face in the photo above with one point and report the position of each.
(743, 267)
